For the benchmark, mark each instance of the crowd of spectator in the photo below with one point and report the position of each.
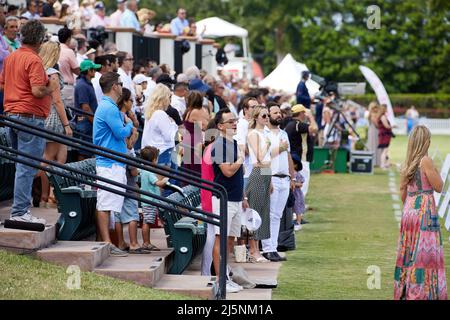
(255, 143)
(91, 14)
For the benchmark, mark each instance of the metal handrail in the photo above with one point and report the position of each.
(117, 184)
(124, 158)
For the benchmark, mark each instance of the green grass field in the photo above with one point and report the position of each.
(25, 278)
(352, 228)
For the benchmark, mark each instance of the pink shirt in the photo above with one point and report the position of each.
(207, 174)
(67, 62)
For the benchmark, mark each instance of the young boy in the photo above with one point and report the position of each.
(299, 204)
(151, 183)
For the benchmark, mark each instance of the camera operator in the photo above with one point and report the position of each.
(301, 131)
(302, 93)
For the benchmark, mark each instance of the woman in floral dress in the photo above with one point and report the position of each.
(419, 269)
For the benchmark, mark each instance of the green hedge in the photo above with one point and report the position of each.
(434, 104)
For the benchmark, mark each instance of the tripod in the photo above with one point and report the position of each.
(335, 125)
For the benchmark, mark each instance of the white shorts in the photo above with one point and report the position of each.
(107, 201)
(234, 217)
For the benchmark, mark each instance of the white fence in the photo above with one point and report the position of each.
(436, 126)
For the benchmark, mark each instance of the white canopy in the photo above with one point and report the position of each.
(287, 75)
(216, 28)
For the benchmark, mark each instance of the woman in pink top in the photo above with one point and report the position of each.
(206, 196)
(206, 166)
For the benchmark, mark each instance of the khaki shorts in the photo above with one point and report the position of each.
(234, 217)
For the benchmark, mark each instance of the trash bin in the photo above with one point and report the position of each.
(321, 156)
(340, 164)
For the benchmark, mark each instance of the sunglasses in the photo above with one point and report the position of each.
(230, 121)
(264, 116)
(120, 84)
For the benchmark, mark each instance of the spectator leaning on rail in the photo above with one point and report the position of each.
(129, 18)
(27, 98)
(114, 19)
(178, 24)
(110, 132)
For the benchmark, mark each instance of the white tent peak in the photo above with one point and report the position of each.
(287, 75)
(217, 27)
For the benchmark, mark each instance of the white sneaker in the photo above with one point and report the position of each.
(27, 217)
(297, 227)
(236, 285)
(231, 287)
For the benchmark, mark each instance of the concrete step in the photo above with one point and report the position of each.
(87, 255)
(22, 241)
(143, 269)
(194, 285)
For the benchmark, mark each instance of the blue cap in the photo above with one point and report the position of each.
(198, 85)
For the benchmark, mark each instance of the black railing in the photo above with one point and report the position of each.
(216, 189)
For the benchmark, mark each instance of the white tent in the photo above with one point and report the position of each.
(287, 75)
(216, 28)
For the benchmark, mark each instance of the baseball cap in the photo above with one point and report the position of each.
(88, 64)
(199, 85)
(298, 108)
(251, 219)
(285, 105)
(139, 78)
(99, 5)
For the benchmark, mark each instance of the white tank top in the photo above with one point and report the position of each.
(262, 145)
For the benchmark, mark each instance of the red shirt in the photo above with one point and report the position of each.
(23, 69)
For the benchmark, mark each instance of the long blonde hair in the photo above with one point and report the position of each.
(255, 114)
(374, 110)
(418, 144)
(159, 100)
(49, 54)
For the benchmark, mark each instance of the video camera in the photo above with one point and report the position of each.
(98, 34)
(328, 91)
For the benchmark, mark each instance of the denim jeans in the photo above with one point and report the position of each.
(23, 183)
(167, 159)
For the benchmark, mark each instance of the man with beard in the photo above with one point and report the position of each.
(282, 170)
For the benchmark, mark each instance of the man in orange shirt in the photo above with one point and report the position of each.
(27, 91)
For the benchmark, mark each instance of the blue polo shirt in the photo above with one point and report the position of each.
(177, 25)
(226, 151)
(129, 20)
(85, 93)
(110, 131)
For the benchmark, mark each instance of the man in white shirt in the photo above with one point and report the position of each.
(106, 67)
(151, 83)
(282, 169)
(125, 68)
(114, 19)
(242, 132)
(179, 95)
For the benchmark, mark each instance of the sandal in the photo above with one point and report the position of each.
(150, 247)
(260, 259)
(138, 251)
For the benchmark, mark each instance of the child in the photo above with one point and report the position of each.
(299, 204)
(150, 183)
(129, 214)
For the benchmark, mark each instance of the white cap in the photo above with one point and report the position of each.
(139, 78)
(251, 219)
